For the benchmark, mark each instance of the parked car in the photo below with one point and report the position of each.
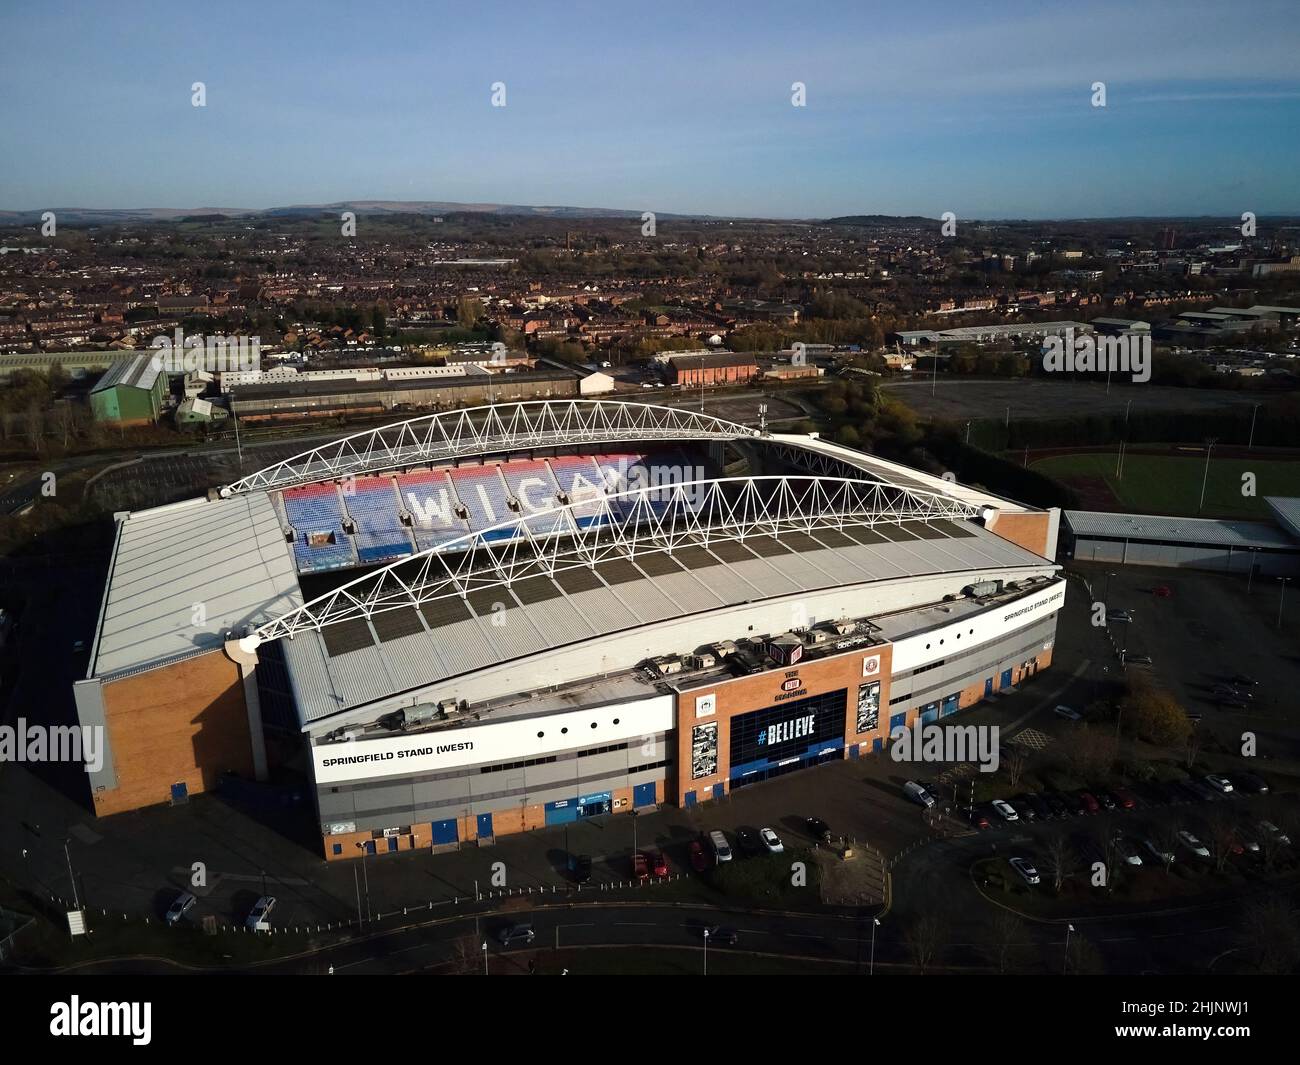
(658, 864)
(1057, 804)
(1039, 805)
(1024, 808)
(977, 817)
(1089, 801)
(1220, 784)
(640, 867)
(723, 935)
(1203, 791)
(1005, 810)
(1247, 841)
(1106, 799)
(1068, 713)
(721, 848)
(747, 840)
(1127, 851)
(178, 909)
(1244, 680)
(1162, 591)
(771, 841)
(699, 860)
(1122, 616)
(513, 935)
(1273, 832)
(1157, 852)
(259, 918)
(1251, 783)
(917, 793)
(1193, 844)
(1026, 870)
(817, 828)
(1138, 660)
(1125, 799)
(580, 867)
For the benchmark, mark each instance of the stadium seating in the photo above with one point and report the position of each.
(582, 482)
(316, 514)
(375, 508)
(532, 484)
(484, 495)
(429, 498)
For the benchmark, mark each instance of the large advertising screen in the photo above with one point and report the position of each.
(778, 732)
(868, 706)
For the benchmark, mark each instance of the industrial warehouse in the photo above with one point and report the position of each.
(487, 621)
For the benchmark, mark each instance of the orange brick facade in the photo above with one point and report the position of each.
(733, 697)
(183, 723)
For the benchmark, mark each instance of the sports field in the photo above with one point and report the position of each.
(1171, 484)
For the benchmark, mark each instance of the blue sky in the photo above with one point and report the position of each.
(982, 109)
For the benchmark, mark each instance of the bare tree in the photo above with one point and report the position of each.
(1061, 859)
(1016, 761)
(465, 958)
(924, 940)
(1165, 837)
(1006, 932)
(1221, 836)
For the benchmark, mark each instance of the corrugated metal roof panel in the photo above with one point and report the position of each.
(1177, 530)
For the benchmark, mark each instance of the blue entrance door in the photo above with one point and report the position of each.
(719, 790)
(690, 798)
(643, 795)
(445, 831)
(484, 826)
(1006, 678)
(988, 686)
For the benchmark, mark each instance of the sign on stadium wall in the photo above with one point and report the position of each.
(431, 752)
(990, 624)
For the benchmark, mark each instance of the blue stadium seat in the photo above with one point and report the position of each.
(580, 480)
(316, 515)
(484, 495)
(429, 498)
(532, 483)
(374, 506)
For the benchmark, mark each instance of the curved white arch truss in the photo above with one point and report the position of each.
(501, 427)
(655, 518)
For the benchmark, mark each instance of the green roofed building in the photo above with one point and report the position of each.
(132, 392)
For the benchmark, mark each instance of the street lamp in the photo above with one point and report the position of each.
(1284, 581)
(1065, 965)
(706, 952)
(1253, 411)
(871, 968)
(72, 879)
(1209, 448)
(485, 968)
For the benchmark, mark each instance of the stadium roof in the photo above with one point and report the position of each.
(1210, 531)
(350, 664)
(1286, 509)
(223, 561)
(139, 372)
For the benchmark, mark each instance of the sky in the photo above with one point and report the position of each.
(978, 107)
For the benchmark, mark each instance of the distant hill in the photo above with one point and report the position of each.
(879, 220)
(98, 216)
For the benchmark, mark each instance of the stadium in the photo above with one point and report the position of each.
(487, 621)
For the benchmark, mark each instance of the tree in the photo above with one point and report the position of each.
(1006, 931)
(1270, 935)
(1153, 714)
(1061, 861)
(924, 940)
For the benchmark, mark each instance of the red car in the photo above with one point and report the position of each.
(1162, 591)
(1124, 798)
(699, 861)
(659, 864)
(1089, 802)
(640, 869)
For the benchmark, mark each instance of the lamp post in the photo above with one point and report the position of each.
(72, 879)
(365, 876)
(1253, 411)
(706, 952)
(1205, 477)
(1284, 581)
(485, 967)
(1250, 574)
(871, 968)
(1065, 965)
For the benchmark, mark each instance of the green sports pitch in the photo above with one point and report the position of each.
(1171, 484)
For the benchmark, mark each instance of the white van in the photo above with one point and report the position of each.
(916, 793)
(721, 848)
